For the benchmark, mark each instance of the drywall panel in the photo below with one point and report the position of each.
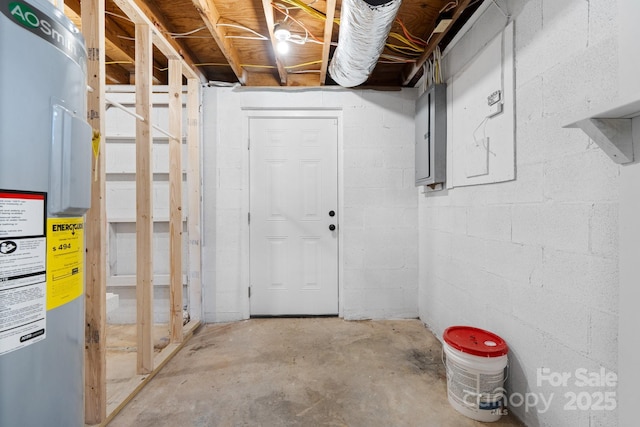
(481, 136)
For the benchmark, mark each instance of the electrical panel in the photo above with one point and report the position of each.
(431, 136)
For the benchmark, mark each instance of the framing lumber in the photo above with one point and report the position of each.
(328, 33)
(175, 200)
(210, 15)
(133, 11)
(128, 390)
(95, 386)
(144, 204)
(193, 188)
(160, 22)
(268, 15)
(124, 49)
(412, 69)
(261, 79)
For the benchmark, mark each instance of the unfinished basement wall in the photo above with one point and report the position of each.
(378, 226)
(536, 259)
(121, 207)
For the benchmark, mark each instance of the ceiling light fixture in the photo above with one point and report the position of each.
(283, 47)
(282, 34)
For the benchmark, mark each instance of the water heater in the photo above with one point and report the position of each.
(45, 178)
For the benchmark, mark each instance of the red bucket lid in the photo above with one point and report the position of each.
(475, 341)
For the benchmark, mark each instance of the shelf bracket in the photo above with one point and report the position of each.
(613, 128)
(613, 136)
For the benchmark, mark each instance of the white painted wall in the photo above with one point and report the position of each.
(536, 259)
(629, 228)
(378, 216)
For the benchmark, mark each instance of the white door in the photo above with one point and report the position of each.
(293, 216)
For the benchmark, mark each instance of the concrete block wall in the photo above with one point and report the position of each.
(121, 206)
(378, 226)
(536, 259)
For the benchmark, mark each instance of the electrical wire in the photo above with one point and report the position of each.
(484, 136)
(131, 63)
(126, 18)
(304, 64)
(409, 44)
(289, 67)
(188, 33)
(286, 13)
(415, 40)
(405, 50)
(451, 5)
(310, 10)
(212, 64)
(242, 27)
(396, 59)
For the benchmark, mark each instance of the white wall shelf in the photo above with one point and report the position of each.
(612, 130)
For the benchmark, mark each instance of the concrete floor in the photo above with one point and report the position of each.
(122, 353)
(302, 372)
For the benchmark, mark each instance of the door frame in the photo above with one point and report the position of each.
(287, 113)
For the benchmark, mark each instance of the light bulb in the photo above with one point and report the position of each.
(283, 47)
(281, 32)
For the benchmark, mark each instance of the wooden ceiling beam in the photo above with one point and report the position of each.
(117, 75)
(211, 17)
(412, 69)
(268, 15)
(161, 23)
(261, 79)
(135, 13)
(328, 34)
(117, 48)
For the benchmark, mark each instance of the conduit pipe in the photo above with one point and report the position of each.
(364, 27)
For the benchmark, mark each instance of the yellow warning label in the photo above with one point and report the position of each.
(95, 142)
(65, 260)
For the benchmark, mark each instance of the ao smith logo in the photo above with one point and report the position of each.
(50, 30)
(27, 17)
(67, 227)
(23, 14)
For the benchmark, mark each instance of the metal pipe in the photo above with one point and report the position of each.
(139, 117)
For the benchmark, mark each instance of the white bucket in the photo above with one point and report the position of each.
(475, 383)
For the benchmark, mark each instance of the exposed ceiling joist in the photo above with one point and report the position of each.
(117, 75)
(113, 32)
(211, 17)
(411, 69)
(268, 15)
(117, 48)
(328, 34)
(161, 23)
(243, 30)
(133, 11)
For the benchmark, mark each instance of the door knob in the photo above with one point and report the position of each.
(332, 213)
(332, 227)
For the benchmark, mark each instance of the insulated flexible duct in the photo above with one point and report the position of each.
(364, 27)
